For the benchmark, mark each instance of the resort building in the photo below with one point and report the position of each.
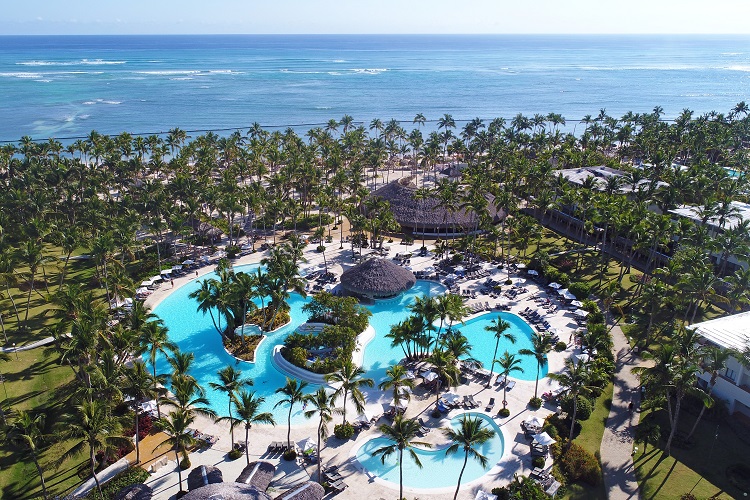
(733, 384)
(427, 216)
(737, 213)
(602, 176)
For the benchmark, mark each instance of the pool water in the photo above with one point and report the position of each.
(438, 470)
(483, 343)
(194, 332)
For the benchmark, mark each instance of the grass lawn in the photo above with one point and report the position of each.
(590, 438)
(700, 469)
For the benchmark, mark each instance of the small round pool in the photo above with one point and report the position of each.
(483, 343)
(438, 470)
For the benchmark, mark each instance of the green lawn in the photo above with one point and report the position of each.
(700, 469)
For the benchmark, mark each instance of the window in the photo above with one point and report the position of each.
(731, 375)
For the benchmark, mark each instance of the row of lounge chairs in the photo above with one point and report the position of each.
(503, 381)
(334, 479)
(479, 307)
(475, 275)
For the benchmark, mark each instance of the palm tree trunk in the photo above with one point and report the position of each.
(320, 428)
(231, 424)
(13, 302)
(289, 429)
(494, 357)
(573, 419)
(247, 451)
(536, 384)
(41, 474)
(179, 469)
(700, 415)
(400, 474)
(674, 426)
(458, 486)
(137, 440)
(92, 462)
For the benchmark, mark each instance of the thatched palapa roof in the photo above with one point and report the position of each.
(227, 491)
(135, 492)
(305, 491)
(377, 278)
(427, 214)
(203, 475)
(258, 474)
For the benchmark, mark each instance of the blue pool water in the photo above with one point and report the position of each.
(483, 343)
(194, 332)
(438, 470)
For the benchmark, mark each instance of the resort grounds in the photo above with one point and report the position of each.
(516, 457)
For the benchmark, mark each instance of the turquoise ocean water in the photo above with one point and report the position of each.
(66, 86)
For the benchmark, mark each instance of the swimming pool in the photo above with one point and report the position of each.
(194, 332)
(438, 470)
(483, 343)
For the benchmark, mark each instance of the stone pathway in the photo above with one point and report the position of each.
(617, 443)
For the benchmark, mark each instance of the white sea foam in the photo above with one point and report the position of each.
(80, 62)
(21, 74)
(370, 71)
(43, 80)
(339, 60)
(169, 72)
(101, 101)
(738, 67)
(179, 78)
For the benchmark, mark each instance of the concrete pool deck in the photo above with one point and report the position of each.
(361, 484)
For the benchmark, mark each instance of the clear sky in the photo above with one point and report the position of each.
(373, 16)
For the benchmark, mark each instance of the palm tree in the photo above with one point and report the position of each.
(509, 364)
(498, 328)
(443, 365)
(91, 426)
(3, 357)
(349, 376)
(156, 336)
(247, 413)
(397, 380)
(322, 405)
(138, 384)
(542, 344)
(469, 436)
(177, 426)
(402, 433)
(293, 390)
(713, 363)
(26, 433)
(574, 381)
(230, 381)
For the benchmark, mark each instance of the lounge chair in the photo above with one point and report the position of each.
(474, 402)
(511, 384)
(501, 381)
(491, 405)
(422, 426)
(442, 408)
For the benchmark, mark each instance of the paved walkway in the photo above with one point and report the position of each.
(617, 442)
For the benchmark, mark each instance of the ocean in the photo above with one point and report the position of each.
(66, 86)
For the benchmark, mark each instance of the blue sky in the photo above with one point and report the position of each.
(383, 16)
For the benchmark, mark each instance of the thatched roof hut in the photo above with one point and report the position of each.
(227, 491)
(203, 475)
(427, 216)
(377, 278)
(305, 491)
(258, 474)
(135, 492)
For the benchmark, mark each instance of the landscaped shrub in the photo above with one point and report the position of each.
(521, 488)
(321, 248)
(584, 407)
(535, 403)
(234, 454)
(580, 290)
(185, 463)
(503, 413)
(538, 462)
(290, 455)
(232, 251)
(577, 464)
(560, 346)
(145, 424)
(134, 475)
(343, 431)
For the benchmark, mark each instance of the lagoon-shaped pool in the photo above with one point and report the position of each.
(438, 470)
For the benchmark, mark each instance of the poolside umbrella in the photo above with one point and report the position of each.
(142, 290)
(567, 295)
(410, 375)
(451, 397)
(521, 266)
(544, 439)
(429, 269)
(534, 421)
(203, 475)
(583, 358)
(533, 272)
(157, 278)
(483, 495)
(309, 490)
(147, 283)
(400, 406)
(188, 262)
(258, 474)
(329, 287)
(555, 285)
(308, 444)
(451, 277)
(576, 303)
(582, 313)
(554, 331)
(429, 376)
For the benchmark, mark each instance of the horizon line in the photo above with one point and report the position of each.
(5, 35)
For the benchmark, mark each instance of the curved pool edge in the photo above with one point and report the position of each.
(363, 339)
(495, 470)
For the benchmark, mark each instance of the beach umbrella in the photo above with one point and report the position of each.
(554, 331)
(555, 285)
(576, 303)
(583, 358)
(567, 295)
(534, 421)
(429, 269)
(188, 262)
(429, 376)
(147, 283)
(157, 278)
(308, 444)
(582, 313)
(141, 290)
(544, 439)
(521, 266)
(410, 375)
(533, 272)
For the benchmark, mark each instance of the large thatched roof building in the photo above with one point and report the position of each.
(377, 278)
(427, 216)
(227, 491)
(203, 475)
(138, 491)
(258, 474)
(305, 491)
